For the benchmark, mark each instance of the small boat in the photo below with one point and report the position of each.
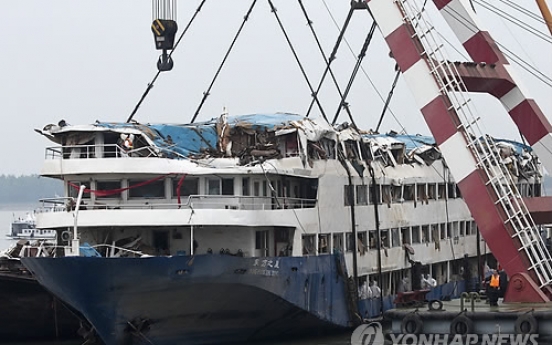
(25, 228)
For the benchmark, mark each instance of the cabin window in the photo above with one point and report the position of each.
(422, 192)
(462, 228)
(408, 193)
(256, 188)
(386, 194)
(426, 234)
(458, 193)
(362, 242)
(376, 195)
(416, 238)
(213, 186)
(432, 191)
(396, 237)
(73, 190)
(537, 190)
(362, 195)
(245, 186)
(442, 189)
(337, 242)
(349, 241)
(309, 245)
(385, 238)
(108, 189)
(265, 189)
(405, 233)
(372, 239)
(443, 228)
(189, 186)
(397, 193)
(348, 194)
(227, 186)
(451, 190)
(146, 189)
(323, 243)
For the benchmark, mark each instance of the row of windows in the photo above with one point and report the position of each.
(390, 238)
(422, 192)
(152, 189)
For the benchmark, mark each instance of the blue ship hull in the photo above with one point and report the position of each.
(205, 299)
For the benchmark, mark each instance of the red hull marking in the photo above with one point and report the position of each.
(441, 3)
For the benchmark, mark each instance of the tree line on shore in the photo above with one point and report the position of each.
(28, 188)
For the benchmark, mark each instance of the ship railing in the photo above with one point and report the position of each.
(228, 202)
(113, 251)
(98, 151)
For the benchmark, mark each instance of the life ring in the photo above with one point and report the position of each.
(435, 304)
(461, 325)
(526, 324)
(412, 324)
(66, 236)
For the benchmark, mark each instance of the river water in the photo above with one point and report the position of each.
(9, 213)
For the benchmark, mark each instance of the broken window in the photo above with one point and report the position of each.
(408, 192)
(376, 195)
(385, 238)
(426, 234)
(416, 234)
(432, 191)
(323, 243)
(309, 245)
(348, 194)
(362, 195)
(73, 190)
(405, 233)
(397, 193)
(372, 238)
(422, 192)
(337, 242)
(349, 241)
(442, 189)
(386, 194)
(396, 237)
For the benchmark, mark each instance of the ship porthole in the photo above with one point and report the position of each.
(526, 324)
(412, 324)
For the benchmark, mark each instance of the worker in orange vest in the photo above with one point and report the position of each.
(493, 288)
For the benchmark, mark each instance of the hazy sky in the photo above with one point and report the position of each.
(91, 60)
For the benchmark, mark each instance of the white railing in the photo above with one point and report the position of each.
(98, 151)
(499, 178)
(229, 202)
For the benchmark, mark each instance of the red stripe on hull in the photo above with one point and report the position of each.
(482, 48)
(441, 122)
(480, 201)
(531, 121)
(405, 50)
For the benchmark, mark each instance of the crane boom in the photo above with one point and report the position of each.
(440, 91)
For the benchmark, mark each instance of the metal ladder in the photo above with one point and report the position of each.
(482, 147)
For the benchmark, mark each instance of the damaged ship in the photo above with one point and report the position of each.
(254, 226)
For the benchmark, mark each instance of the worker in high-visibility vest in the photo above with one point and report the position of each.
(493, 288)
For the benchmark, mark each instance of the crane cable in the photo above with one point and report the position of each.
(333, 54)
(150, 85)
(327, 61)
(208, 92)
(358, 64)
(303, 72)
(388, 100)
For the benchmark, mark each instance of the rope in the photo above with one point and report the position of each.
(326, 61)
(358, 64)
(207, 93)
(313, 93)
(388, 100)
(150, 85)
